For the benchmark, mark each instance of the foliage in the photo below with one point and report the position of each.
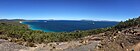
(15, 30)
(128, 23)
(19, 31)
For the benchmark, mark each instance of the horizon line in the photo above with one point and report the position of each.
(62, 19)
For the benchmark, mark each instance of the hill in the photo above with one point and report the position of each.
(124, 37)
(117, 38)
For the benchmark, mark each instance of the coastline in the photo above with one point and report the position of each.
(33, 28)
(59, 28)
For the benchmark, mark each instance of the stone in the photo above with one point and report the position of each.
(96, 38)
(119, 31)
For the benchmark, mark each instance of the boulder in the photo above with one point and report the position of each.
(96, 38)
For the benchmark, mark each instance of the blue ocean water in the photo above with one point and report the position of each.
(67, 25)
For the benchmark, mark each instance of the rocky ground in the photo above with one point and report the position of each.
(123, 40)
(9, 46)
(86, 44)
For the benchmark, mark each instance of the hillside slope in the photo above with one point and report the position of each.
(125, 37)
(122, 37)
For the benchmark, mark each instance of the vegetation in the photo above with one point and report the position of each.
(124, 37)
(128, 23)
(16, 32)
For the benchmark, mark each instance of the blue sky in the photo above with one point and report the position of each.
(113, 10)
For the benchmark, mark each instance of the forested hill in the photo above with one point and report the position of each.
(128, 23)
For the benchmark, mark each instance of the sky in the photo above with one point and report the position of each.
(113, 10)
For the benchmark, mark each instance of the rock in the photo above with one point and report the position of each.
(30, 44)
(10, 40)
(138, 34)
(20, 42)
(119, 32)
(115, 37)
(99, 46)
(96, 38)
(84, 41)
(122, 45)
(52, 44)
(134, 32)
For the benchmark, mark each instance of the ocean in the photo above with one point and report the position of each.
(67, 25)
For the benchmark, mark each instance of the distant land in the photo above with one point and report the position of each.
(53, 20)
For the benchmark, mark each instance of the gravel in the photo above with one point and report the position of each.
(9, 46)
